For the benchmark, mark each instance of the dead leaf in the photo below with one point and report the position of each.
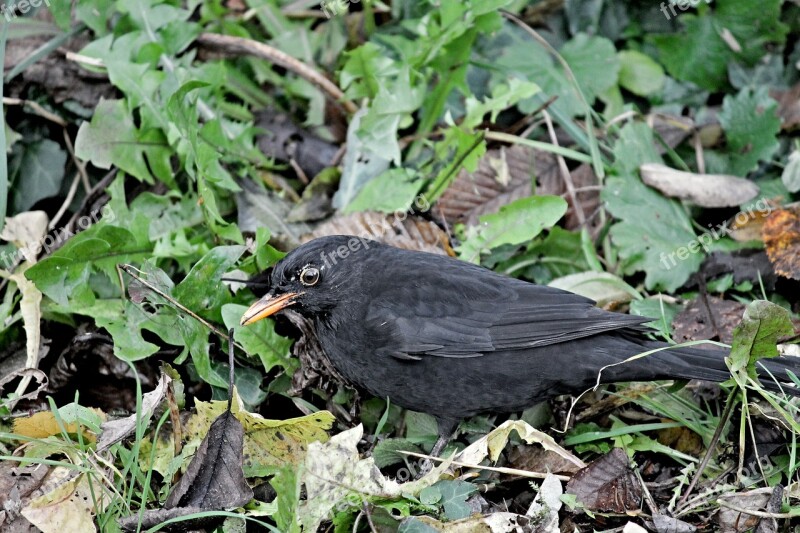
(486, 190)
(26, 231)
(704, 190)
(788, 106)
(608, 484)
(116, 430)
(672, 129)
(402, 231)
(736, 521)
(667, 524)
(38, 375)
(781, 234)
(494, 185)
(333, 473)
(537, 459)
(215, 479)
(500, 522)
(69, 502)
(267, 443)
(745, 265)
(693, 322)
(491, 444)
(682, 439)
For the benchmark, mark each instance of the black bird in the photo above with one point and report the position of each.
(452, 339)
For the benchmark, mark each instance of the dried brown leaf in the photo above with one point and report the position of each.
(705, 190)
(781, 234)
(608, 484)
(402, 231)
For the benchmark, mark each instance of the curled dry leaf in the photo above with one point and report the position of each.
(399, 230)
(116, 430)
(608, 484)
(491, 444)
(781, 233)
(704, 190)
(507, 174)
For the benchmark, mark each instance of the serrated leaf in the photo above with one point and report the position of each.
(515, 223)
(751, 125)
(756, 337)
(652, 228)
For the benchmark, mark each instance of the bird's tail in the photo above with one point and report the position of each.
(697, 363)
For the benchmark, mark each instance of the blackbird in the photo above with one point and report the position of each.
(452, 339)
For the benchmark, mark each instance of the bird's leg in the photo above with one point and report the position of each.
(447, 426)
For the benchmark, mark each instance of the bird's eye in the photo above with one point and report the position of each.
(309, 276)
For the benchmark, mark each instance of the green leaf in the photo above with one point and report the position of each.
(701, 55)
(65, 274)
(594, 62)
(639, 73)
(663, 312)
(504, 95)
(258, 339)
(111, 138)
(751, 125)
(36, 172)
(756, 337)
(454, 494)
(201, 290)
(389, 192)
(515, 223)
(361, 164)
(652, 229)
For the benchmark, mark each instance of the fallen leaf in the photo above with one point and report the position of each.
(736, 521)
(693, 322)
(69, 504)
(704, 190)
(781, 234)
(491, 444)
(116, 430)
(606, 289)
(335, 476)
(267, 443)
(788, 106)
(26, 231)
(399, 230)
(608, 484)
(547, 503)
(667, 524)
(214, 480)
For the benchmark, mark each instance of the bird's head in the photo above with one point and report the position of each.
(314, 278)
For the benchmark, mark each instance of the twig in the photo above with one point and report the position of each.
(562, 166)
(760, 514)
(723, 420)
(78, 163)
(500, 469)
(73, 188)
(132, 272)
(240, 45)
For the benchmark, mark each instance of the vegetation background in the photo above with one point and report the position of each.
(644, 154)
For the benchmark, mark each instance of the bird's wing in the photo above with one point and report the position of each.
(474, 312)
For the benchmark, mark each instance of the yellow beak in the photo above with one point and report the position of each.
(267, 306)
